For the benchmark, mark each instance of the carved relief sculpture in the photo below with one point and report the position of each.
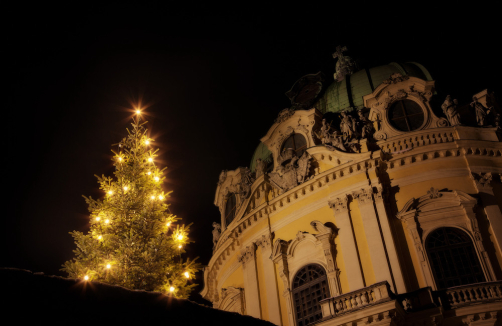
(291, 171)
(450, 110)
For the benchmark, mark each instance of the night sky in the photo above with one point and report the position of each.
(211, 80)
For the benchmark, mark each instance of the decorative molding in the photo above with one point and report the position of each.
(434, 193)
(363, 196)
(265, 241)
(482, 179)
(284, 115)
(395, 78)
(339, 204)
(246, 254)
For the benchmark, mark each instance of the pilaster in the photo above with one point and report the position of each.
(274, 309)
(326, 236)
(251, 289)
(280, 258)
(483, 182)
(390, 245)
(347, 242)
(373, 237)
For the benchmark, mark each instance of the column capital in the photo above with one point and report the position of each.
(379, 193)
(363, 196)
(339, 204)
(265, 241)
(482, 180)
(247, 254)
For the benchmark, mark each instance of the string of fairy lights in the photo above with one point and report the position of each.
(178, 234)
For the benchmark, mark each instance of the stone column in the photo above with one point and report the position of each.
(483, 184)
(347, 243)
(251, 290)
(280, 258)
(274, 309)
(376, 248)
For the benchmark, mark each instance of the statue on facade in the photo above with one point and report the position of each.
(337, 142)
(330, 139)
(325, 137)
(481, 111)
(216, 233)
(260, 167)
(345, 64)
(450, 110)
(244, 186)
(347, 125)
(366, 125)
(223, 177)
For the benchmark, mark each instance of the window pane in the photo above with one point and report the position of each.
(309, 287)
(453, 258)
(406, 115)
(230, 209)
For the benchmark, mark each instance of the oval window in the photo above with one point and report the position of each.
(406, 115)
(296, 142)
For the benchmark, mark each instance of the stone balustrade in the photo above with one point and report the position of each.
(376, 293)
(474, 293)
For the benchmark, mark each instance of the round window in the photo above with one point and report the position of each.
(406, 115)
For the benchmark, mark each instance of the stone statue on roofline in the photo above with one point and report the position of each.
(325, 137)
(347, 125)
(366, 125)
(345, 64)
(481, 111)
(260, 167)
(450, 110)
(216, 233)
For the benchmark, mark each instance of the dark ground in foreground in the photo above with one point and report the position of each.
(28, 297)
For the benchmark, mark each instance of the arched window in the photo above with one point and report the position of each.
(296, 142)
(453, 258)
(406, 115)
(230, 209)
(310, 286)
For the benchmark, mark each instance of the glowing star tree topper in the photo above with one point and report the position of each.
(132, 241)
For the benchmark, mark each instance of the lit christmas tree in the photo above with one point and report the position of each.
(132, 240)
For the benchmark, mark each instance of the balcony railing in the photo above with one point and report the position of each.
(474, 293)
(376, 293)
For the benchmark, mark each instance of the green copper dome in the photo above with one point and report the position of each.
(350, 91)
(262, 152)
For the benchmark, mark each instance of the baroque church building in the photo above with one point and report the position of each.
(365, 204)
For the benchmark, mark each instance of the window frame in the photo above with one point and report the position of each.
(405, 115)
(323, 280)
(455, 265)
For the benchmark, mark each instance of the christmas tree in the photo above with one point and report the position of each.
(134, 241)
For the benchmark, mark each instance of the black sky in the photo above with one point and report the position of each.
(212, 80)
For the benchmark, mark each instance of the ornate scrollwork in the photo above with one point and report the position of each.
(434, 193)
(284, 115)
(292, 173)
(339, 204)
(395, 78)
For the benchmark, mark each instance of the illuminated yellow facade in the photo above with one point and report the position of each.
(400, 227)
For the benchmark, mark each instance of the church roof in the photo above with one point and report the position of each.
(350, 91)
(262, 152)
